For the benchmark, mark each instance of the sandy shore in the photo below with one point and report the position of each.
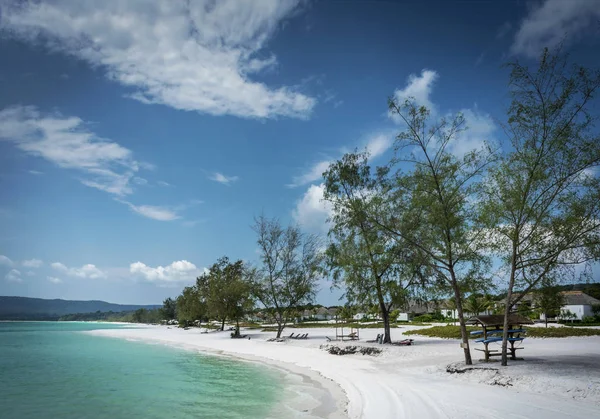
(559, 378)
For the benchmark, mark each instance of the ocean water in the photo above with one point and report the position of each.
(53, 370)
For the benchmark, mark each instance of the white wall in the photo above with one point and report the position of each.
(579, 311)
(403, 317)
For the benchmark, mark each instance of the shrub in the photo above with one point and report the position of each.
(428, 318)
(453, 332)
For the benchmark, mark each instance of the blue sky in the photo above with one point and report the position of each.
(139, 139)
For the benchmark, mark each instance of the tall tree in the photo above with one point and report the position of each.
(291, 266)
(227, 291)
(542, 201)
(373, 269)
(191, 305)
(549, 300)
(169, 309)
(433, 202)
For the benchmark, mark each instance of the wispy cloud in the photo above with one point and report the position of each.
(54, 279)
(13, 276)
(36, 172)
(154, 212)
(221, 178)
(312, 174)
(552, 22)
(86, 271)
(311, 211)
(503, 30)
(32, 263)
(375, 145)
(193, 56)
(66, 142)
(163, 183)
(5, 260)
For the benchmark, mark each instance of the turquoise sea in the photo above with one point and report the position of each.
(53, 370)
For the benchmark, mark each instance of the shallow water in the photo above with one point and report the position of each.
(52, 370)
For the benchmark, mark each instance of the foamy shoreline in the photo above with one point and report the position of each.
(560, 378)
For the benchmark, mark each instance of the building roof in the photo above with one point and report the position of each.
(498, 320)
(578, 298)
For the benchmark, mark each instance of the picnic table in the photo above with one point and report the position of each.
(492, 331)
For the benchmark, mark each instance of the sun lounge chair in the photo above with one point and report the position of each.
(376, 340)
(291, 336)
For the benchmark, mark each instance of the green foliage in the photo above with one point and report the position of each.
(433, 203)
(549, 301)
(191, 305)
(169, 309)
(150, 316)
(453, 332)
(143, 315)
(429, 318)
(291, 265)
(376, 272)
(226, 290)
(476, 304)
(540, 203)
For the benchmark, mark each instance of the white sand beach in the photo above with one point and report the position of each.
(558, 378)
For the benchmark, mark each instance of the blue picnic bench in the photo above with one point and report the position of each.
(492, 333)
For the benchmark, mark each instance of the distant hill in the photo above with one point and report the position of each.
(24, 308)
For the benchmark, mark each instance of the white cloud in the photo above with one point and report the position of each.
(32, 263)
(194, 56)
(140, 180)
(311, 211)
(503, 30)
(375, 145)
(163, 183)
(419, 88)
(86, 271)
(30, 273)
(155, 212)
(66, 142)
(54, 279)
(379, 144)
(221, 178)
(480, 129)
(36, 172)
(552, 22)
(315, 172)
(179, 271)
(4, 260)
(13, 276)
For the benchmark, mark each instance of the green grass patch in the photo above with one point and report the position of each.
(560, 332)
(453, 332)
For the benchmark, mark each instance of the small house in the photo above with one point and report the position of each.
(578, 303)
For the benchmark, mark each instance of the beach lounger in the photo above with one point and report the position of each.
(405, 342)
(376, 340)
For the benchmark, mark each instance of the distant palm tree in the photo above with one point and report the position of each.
(476, 305)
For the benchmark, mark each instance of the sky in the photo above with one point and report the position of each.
(139, 139)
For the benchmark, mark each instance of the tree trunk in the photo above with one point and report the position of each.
(461, 319)
(222, 324)
(237, 327)
(511, 284)
(280, 327)
(385, 315)
(546, 320)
